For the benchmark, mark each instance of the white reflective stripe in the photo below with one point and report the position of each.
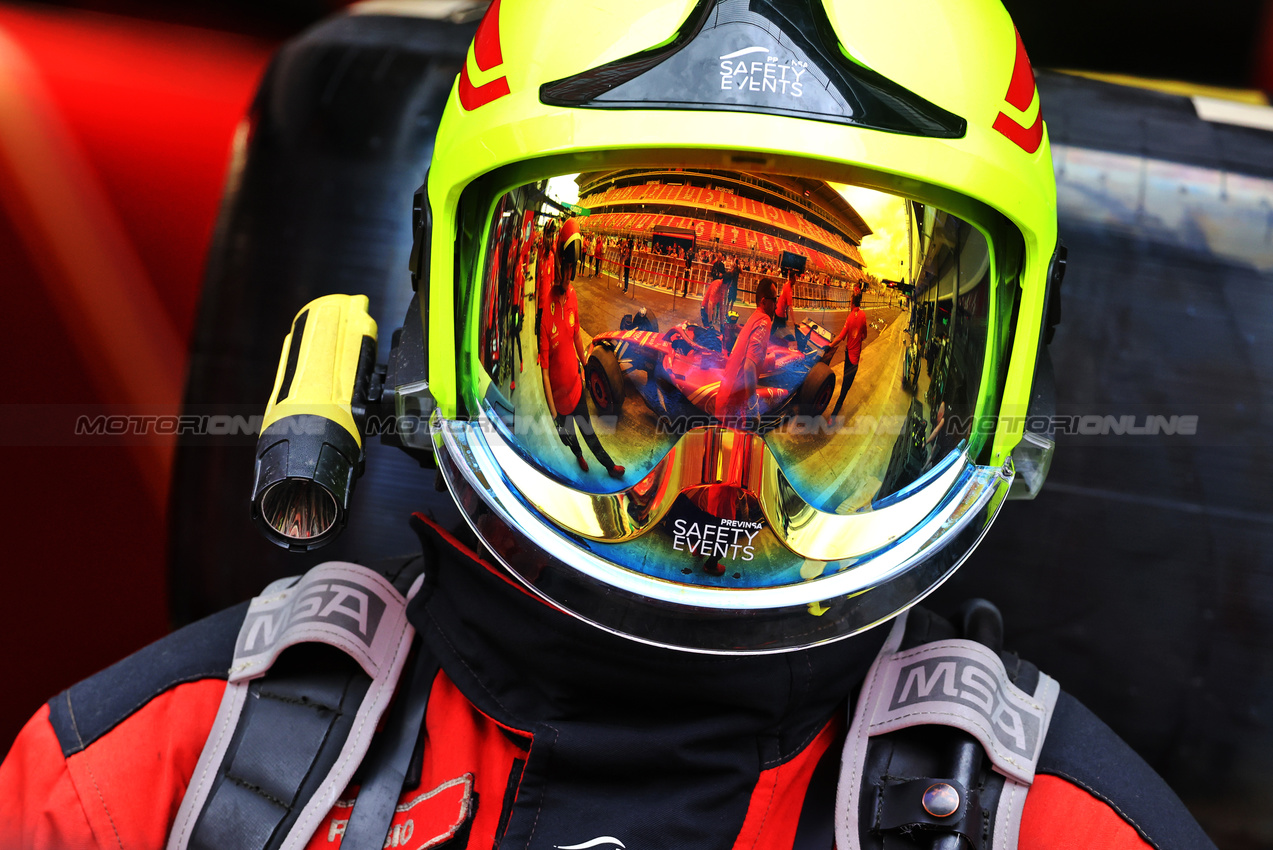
(205, 770)
(958, 683)
(1224, 111)
(852, 760)
(1008, 815)
(343, 605)
(323, 606)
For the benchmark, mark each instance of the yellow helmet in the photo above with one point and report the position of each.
(816, 467)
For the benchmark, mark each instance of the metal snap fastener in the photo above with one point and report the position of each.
(941, 800)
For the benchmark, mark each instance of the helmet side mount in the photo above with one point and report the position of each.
(421, 235)
(330, 396)
(407, 402)
(1032, 457)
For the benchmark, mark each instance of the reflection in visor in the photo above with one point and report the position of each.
(622, 309)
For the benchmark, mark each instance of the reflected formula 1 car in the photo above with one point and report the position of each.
(678, 372)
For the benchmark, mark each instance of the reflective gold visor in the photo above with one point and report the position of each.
(813, 348)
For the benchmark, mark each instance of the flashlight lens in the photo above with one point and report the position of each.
(299, 510)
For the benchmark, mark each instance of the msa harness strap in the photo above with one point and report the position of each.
(283, 748)
(968, 779)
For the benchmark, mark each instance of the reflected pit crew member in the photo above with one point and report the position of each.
(689, 263)
(782, 314)
(729, 331)
(737, 404)
(853, 334)
(546, 269)
(731, 281)
(712, 309)
(625, 260)
(736, 399)
(563, 349)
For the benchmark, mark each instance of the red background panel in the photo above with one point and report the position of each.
(149, 111)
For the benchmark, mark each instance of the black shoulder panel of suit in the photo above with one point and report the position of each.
(88, 710)
(1083, 750)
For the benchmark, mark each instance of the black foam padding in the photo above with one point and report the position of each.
(278, 772)
(294, 722)
(243, 818)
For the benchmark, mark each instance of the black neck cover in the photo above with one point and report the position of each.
(756, 56)
(628, 740)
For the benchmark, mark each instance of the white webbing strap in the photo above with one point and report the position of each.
(958, 683)
(343, 605)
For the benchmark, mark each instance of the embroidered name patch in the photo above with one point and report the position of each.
(422, 819)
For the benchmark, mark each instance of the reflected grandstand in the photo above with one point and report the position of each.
(668, 213)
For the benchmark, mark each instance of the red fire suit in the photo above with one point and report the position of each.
(542, 732)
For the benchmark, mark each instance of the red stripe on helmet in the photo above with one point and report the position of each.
(1020, 88)
(486, 49)
(488, 54)
(471, 97)
(1026, 138)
